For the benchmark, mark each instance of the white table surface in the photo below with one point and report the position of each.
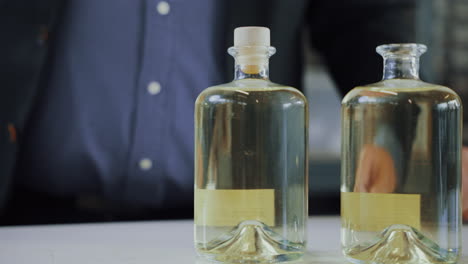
(167, 242)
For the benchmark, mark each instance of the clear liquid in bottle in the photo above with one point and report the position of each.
(401, 171)
(251, 164)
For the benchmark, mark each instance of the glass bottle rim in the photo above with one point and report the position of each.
(267, 50)
(401, 49)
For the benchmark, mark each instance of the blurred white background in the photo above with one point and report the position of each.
(324, 109)
(324, 131)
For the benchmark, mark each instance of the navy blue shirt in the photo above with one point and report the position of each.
(116, 115)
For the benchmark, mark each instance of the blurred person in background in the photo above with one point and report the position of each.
(443, 25)
(96, 119)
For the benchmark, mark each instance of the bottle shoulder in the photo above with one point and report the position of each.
(247, 89)
(395, 90)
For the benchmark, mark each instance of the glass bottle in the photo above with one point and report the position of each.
(401, 166)
(251, 192)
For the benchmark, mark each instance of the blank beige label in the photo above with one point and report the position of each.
(377, 211)
(230, 207)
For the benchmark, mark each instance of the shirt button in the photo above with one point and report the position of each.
(163, 8)
(154, 88)
(145, 164)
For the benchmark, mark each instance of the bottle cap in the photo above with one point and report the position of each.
(252, 36)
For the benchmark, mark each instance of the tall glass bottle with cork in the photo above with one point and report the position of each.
(251, 161)
(401, 166)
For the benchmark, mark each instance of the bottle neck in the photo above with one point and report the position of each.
(251, 62)
(251, 71)
(401, 67)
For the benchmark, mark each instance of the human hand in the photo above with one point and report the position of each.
(376, 171)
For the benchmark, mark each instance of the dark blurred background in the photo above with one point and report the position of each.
(103, 74)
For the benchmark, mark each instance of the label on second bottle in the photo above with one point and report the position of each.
(230, 207)
(377, 211)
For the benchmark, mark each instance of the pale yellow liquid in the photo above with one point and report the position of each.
(419, 127)
(251, 135)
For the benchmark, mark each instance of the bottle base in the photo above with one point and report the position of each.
(400, 244)
(251, 242)
(217, 258)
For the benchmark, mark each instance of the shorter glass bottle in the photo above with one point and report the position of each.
(401, 166)
(251, 162)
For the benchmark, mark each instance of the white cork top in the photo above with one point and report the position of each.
(252, 36)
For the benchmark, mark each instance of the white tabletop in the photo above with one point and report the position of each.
(142, 242)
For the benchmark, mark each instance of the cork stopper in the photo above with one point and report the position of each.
(251, 36)
(252, 48)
